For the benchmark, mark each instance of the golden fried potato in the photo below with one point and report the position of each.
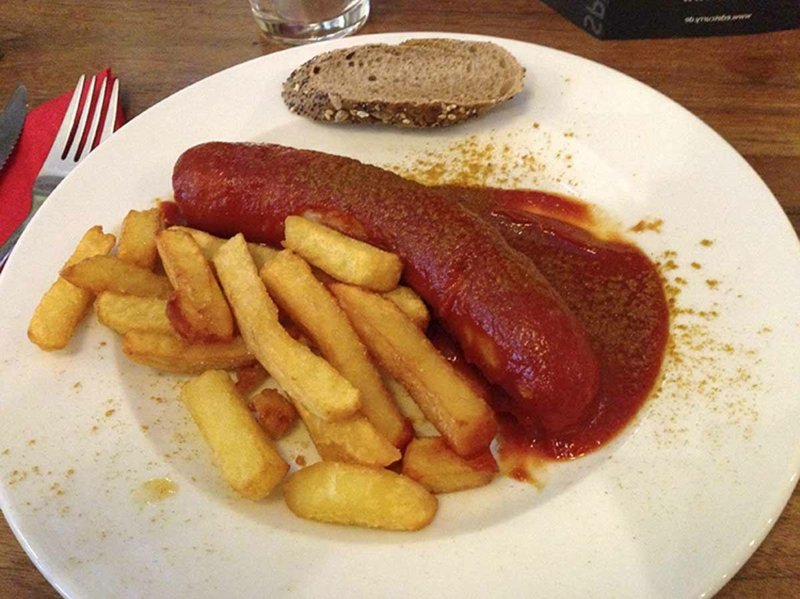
(354, 440)
(123, 313)
(249, 462)
(170, 353)
(197, 309)
(308, 303)
(64, 305)
(137, 242)
(359, 496)
(439, 469)
(108, 273)
(272, 412)
(308, 379)
(342, 257)
(408, 407)
(446, 399)
(209, 244)
(411, 305)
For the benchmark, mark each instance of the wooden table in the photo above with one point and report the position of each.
(747, 88)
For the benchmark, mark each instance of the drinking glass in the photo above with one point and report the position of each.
(302, 21)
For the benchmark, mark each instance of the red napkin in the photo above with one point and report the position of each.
(25, 162)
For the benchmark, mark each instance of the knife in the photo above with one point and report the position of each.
(11, 121)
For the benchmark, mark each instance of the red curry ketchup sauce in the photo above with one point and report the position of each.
(506, 316)
(571, 326)
(616, 293)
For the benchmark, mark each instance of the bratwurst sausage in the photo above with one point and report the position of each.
(504, 314)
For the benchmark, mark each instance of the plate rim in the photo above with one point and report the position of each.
(355, 40)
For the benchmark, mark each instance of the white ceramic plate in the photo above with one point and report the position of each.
(672, 508)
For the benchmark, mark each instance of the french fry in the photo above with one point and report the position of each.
(137, 241)
(249, 462)
(123, 313)
(408, 407)
(307, 378)
(170, 353)
(272, 412)
(342, 257)
(108, 273)
(411, 305)
(209, 244)
(446, 399)
(294, 287)
(249, 377)
(439, 469)
(353, 440)
(64, 305)
(197, 309)
(359, 496)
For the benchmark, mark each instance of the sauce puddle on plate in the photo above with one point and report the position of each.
(615, 291)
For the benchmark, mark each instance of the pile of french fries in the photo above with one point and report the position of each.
(324, 321)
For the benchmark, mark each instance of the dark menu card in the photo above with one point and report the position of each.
(631, 19)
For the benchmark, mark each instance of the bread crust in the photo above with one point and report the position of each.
(305, 96)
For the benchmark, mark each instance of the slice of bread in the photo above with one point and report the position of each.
(418, 83)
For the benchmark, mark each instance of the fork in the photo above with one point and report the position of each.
(76, 137)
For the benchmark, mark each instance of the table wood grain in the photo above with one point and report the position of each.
(746, 87)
